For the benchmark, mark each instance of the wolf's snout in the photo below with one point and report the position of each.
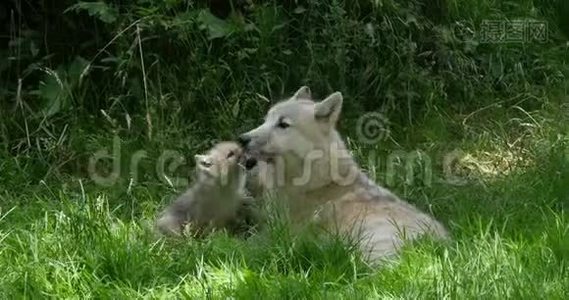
(243, 140)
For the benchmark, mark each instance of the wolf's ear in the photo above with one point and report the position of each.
(302, 93)
(329, 109)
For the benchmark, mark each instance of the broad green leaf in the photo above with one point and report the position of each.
(215, 26)
(51, 90)
(76, 69)
(100, 10)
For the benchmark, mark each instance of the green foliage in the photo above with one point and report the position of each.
(100, 10)
(509, 240)
(215, 27)
(398, 57)
(58, 86)
(179, 75)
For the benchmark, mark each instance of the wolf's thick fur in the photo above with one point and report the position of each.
(214, 201)
(302, 158)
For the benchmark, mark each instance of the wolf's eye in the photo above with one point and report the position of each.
(230, 154)
(282, 124)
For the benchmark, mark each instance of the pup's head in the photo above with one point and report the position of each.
(293, 128)
(222, 162)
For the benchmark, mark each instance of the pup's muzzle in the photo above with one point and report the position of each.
(250, 163)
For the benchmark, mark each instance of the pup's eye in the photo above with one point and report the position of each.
(282, 124)
(230, 154)
(205, 164)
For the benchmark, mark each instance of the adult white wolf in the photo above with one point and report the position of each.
(312, 169)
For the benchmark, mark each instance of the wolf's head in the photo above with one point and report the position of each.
(222, 163)
(298, 131)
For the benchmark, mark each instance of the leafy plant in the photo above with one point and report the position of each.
(100, 10)
(58, 87)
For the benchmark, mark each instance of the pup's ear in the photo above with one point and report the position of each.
(199, 158)
(329, 109)
(302, 93)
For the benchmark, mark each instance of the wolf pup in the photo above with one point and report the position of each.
(215, 199)
(305, 161)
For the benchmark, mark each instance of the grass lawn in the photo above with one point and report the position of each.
(479, 125)
(510, 234)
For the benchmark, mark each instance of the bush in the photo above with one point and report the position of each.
(173, 69)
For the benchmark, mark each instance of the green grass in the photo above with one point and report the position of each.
(510, 237)
(182, 79)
